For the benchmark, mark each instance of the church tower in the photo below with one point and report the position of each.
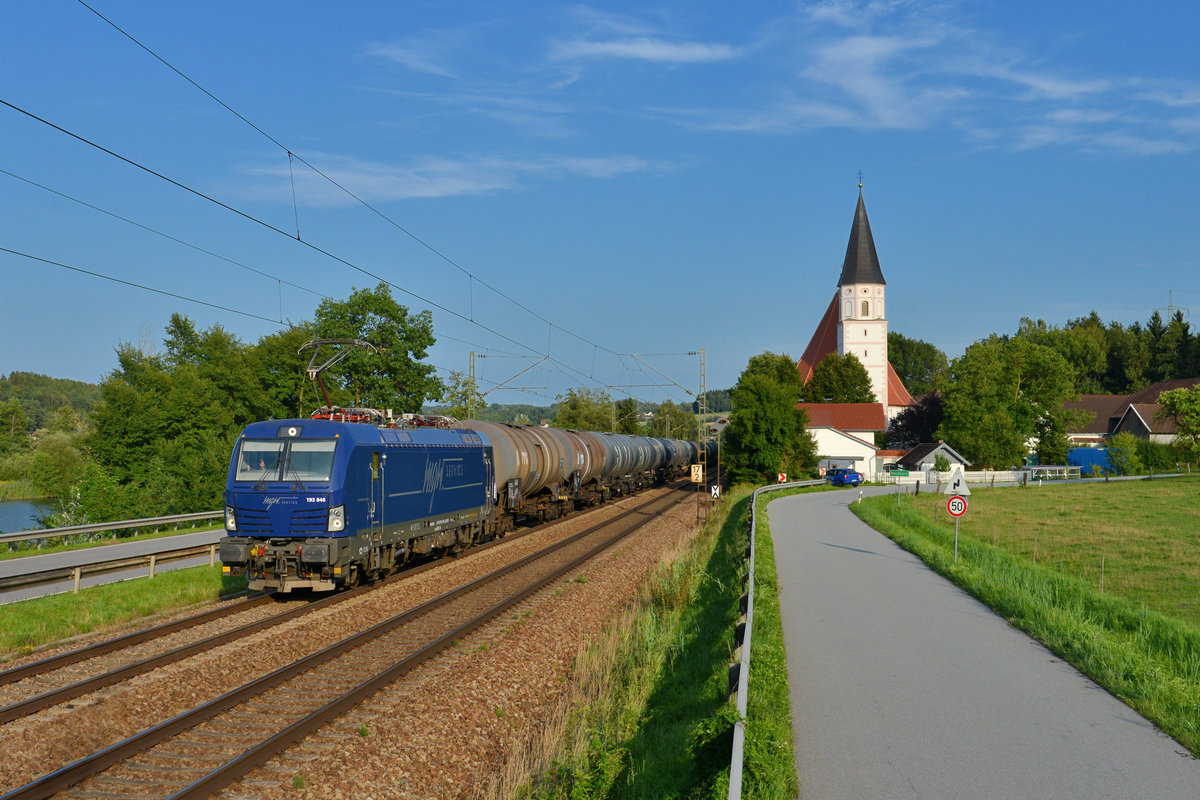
(862, 323)
(856, 320)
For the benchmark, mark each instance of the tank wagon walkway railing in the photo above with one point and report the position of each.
(742, 642)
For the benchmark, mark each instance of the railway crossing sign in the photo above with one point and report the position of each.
(716, 491)
(956, 506)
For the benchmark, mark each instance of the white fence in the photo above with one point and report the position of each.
(986, 477)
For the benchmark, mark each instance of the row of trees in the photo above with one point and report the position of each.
(156, 435)
(159, 434)
(1004, 392)
(1007, 391)
(1105, 358)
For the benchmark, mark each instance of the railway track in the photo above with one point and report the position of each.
(202, 750)
(41, 684)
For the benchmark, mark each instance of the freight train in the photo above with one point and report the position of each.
(353, 494)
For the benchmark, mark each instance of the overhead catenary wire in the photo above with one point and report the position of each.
(250, 217)
(290, 154)
(164, 235)
(219, 256)
(470, 317)
(136, 285)
(263, 223)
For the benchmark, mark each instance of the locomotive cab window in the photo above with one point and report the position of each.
(285, 460)
(309, 460)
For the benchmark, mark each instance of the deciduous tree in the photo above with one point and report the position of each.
(917, 423)
(1183, 407)
(673, 422)
(998, 391)
(462, 396)
(767, 433)
(393, 378)
(921, 366)
(839, 379)
(584, 409)
(627, 416)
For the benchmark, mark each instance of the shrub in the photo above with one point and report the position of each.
(1123, 455)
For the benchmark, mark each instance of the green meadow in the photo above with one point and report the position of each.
(1106, 575)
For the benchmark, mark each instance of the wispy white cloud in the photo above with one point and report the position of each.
(642, 48)
(602, 35)
(912, 65)
(522, 108)
(425, 177)
(432, 52)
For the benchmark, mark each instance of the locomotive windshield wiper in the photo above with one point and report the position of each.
(292, 469)
(262, 482)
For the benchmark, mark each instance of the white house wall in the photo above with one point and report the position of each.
(836, 449)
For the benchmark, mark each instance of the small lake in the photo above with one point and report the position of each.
(17, 515)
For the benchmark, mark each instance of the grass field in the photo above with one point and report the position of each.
(29, 624)
(1143, 537)
(1113, 590)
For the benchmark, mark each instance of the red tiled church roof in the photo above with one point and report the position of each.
(846, 416)
(824, 342)
(897, 394)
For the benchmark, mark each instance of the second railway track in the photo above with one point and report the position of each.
(196, 753)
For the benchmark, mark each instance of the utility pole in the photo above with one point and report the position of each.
(471, 387)
(701, 409)
(1171, 307)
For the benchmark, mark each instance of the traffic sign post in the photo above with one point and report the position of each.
(956, 506)
(716, 491)
(782, 477)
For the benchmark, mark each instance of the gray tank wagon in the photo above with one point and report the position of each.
(545, 472)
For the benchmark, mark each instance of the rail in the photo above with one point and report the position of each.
(743, 665)
(100, 527)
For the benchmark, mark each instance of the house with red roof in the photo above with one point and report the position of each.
(855, 322)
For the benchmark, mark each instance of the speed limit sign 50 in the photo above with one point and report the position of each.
(956, 506)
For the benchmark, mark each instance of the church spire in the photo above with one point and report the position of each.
(862, 263)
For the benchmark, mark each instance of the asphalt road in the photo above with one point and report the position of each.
(903, 686)
(71, 558)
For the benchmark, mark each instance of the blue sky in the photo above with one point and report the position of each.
(645, 179)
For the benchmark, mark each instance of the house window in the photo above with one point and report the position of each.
(866, 306)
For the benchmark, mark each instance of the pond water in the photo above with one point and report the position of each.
(17, 515)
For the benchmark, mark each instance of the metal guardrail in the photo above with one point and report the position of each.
(148, 522)
(745, 627)
(76, 573)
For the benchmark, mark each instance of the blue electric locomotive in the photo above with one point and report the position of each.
(319, 503)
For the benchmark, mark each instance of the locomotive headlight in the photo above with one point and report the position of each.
(230, 519)
(337, 518)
